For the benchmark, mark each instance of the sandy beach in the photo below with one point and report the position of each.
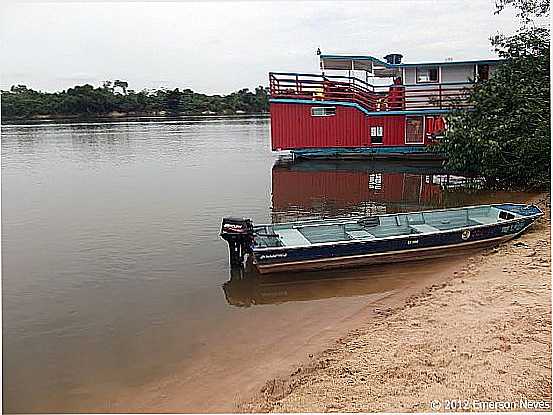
(478, 340)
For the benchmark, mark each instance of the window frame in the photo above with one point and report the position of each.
(427, 68)
(325, 114)
(378, 129)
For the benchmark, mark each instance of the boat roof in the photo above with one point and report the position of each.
(385, 69)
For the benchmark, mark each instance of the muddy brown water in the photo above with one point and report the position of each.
(116, 291)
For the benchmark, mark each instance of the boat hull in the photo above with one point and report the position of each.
(415, 152)
(388, 250)
(372, 259)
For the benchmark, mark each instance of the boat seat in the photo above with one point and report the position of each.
(292, 237)
(484, 220)
(484, 215)
(360, 234)
(424, 228)
(391, 226)
(445, 220)
(325, 233)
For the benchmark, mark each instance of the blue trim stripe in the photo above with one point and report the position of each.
(337, 151)
(355, 105)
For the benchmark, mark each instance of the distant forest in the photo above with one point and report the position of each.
(114, 97)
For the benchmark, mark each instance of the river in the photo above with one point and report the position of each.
(116, 290)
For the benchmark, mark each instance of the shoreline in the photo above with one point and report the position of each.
(220, 380)
(483, 334)
(102, 118)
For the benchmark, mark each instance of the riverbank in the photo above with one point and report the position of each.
(484, 334)
(119, 117)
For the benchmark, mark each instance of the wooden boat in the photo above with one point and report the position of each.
(352, 241)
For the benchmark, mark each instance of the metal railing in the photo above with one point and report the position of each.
(317, 87)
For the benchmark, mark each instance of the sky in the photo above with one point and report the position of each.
(220, 47)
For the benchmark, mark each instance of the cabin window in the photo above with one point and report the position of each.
(323, 111)
(377, 133)
(414, 130)
(427, 75)
(483, 72)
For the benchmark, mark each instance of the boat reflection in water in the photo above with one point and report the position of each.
(247, 288)
(326, 188)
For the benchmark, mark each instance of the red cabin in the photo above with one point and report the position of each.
(362, 106)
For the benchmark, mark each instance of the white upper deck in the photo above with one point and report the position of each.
(422, 73)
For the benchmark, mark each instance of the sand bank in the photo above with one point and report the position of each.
(482, 337)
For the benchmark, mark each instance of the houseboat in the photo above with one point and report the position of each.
(361, 106)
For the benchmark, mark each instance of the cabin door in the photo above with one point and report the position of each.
(414, 130)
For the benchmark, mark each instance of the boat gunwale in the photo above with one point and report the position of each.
(338, 219)
(518, 217)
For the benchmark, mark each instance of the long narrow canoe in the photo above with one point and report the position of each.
(354, 241)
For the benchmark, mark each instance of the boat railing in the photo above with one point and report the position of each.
(321, 88)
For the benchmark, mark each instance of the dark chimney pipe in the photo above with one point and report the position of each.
(393, 58)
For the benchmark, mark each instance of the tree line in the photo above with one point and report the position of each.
(86, 100)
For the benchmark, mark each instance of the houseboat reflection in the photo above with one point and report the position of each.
(323, 188)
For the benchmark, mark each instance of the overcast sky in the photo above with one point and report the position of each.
(219, 47)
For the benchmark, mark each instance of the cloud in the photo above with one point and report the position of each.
(218, 47)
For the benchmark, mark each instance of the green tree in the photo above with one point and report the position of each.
(121, 84)
(85, 100)
(173, 101)
(506, 136)
(527, 10)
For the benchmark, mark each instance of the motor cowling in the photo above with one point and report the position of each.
(238, 232)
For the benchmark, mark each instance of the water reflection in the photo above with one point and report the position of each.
(247, 288)
(326, 188)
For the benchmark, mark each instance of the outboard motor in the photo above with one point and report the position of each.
(238, 232)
